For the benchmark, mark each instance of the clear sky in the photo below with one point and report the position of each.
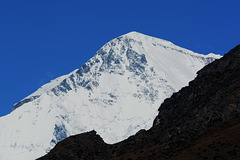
(44, 39)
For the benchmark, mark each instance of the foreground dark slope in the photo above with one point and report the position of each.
(198, 122)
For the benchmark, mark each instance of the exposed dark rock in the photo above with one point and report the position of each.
(136, 61)
(60, 133)
(87, 146)
(220, 144)
(204, 115)
(26, 100)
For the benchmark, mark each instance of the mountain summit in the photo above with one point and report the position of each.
(117, 92)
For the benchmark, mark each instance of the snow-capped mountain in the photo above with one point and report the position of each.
(117, 92)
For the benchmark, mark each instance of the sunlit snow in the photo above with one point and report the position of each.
(116, 93)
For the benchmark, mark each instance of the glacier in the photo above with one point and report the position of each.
(117, 93)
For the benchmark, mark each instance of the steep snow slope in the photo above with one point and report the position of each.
(117, 92)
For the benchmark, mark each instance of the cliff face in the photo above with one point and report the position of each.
(200, 119)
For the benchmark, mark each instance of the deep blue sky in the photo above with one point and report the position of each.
(43, 39)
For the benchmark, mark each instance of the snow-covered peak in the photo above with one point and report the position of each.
(117, 92)
(133, 41)
(142, 38)
(133, 34)
(139, 37)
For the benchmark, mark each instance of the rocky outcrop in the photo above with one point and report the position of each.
(222, 143)
(204, 115)
(89, 146)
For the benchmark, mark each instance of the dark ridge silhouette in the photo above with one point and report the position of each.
(200, 121)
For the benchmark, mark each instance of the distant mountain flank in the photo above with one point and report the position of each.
(201, 121)
(116, 93)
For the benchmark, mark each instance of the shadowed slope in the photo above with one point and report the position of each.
(223, 143)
